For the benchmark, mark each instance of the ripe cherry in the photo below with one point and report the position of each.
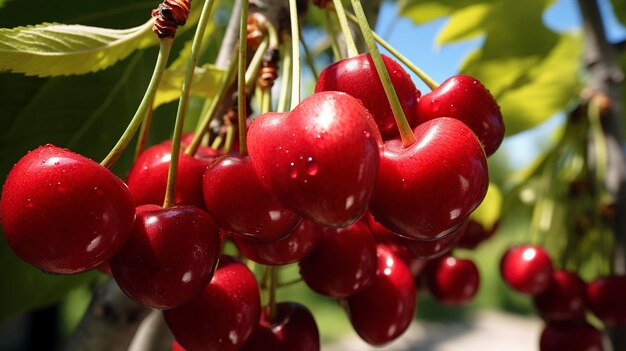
(63, 212)
(383, 311)
(527, 269)
(475, 234)
(452, 281)
(564, 299)
(429, 189)
(570, 336)
(464, 98)
(223, 315)
(176, 346)
(235, 198)
(320, 159)
(357, 77)
(169, 257)
(342, 263)
(605, 296)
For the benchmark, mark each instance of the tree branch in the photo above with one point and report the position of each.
(153, 334)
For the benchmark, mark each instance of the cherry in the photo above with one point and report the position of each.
(527, 269)
(292, 329)
(357, 77)
(320, 159)
(148, 177)
(176, 346)
(464, 98)
(564, 299)
(570, 336)
(63, 212)
(383, 311)
(223, 315)
(237, 201)
(343, 262)
(169, 257)
(428, 189)
(203, 152)
(475, 234)
(605, 296)
(292, 248)
(452, 281)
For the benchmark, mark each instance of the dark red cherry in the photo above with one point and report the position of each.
(292, 329)
(452, 281)
(148, 177)
(570, 336)
(527, 269)
(63, 212)
(342, 263)
(383, 311)
(564, 299)
(464, 98)
(292, 248)
(204, 152)
(475, 234)
(320, 159)
(429, 189)
(606, 298)
(235, 198)
(176, 346)
(223, 315)
(169, 257)
(357, 77)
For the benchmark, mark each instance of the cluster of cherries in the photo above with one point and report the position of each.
(329, 185)
(562, 299)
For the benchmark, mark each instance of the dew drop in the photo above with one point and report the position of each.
(311, 166)
(367, 134)
(293, 172)
(29, 203)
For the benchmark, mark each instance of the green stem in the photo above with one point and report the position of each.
(242, 112)
(345, 28)
(266, 105)
(230, 137)
(283, 98)
(271, 315)
(143, 133)
(308, 58)
(255, 65)
(217, 142)
(408, 138)
(295, 46)
(421, 74)
(170, 190)
(146, 103)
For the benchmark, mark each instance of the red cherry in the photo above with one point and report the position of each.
(452, 281)
(170, 256)
(606, 298)
(383, 311)
(223, 315)
(148, 177)
(464, 98)
(527, 269)
(293, 329)
(63, 212)
(292, 248)
(204, 152)
(428, 189)
(176, 346)
(342, 263)
(564, 299)
(568, 336)
(320, 159)
(357, 77)
(237, 201)
(475, 234)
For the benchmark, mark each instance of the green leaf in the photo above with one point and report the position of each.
(619, 9)
(59, 49)
(464, 24)
(488, 213)
(205, 83)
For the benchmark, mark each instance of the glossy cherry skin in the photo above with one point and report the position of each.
(527, 269)
(63, 212)
(320, 159)
(429, 189)
(235, 198)
(564, 299)
(384, 310)
(475, 234)
(147, 178)
(292, 248)
(452, 281)
(293, 329)
(605, 296)
(464, 98)
(176, 346)
(223, 315)
(343, 262)
(357, 77)
(570, 336)
(169, 257)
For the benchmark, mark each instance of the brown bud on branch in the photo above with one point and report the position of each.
(169, 16)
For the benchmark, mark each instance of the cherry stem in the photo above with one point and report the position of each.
(420, 74)
(143, 133)
(332, 30)
(345, 28)
(295, 49)
(406, 134)
(273, 273)
(309, 58)
(217, 142)
(228, 140)
(283, 97)
(242, 112)
(146, 103)
(266, 100)
(170, 190)
(255, 64)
